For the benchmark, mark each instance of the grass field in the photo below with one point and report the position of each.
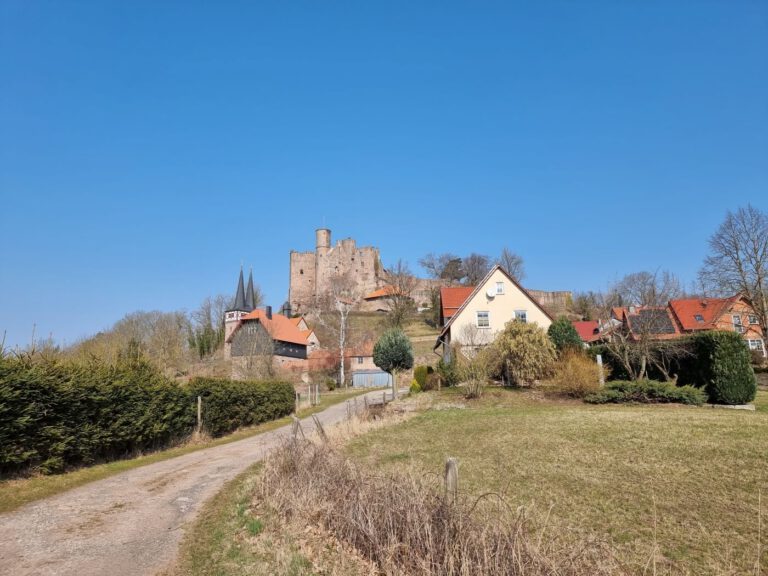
(16, 493)
(681, 481)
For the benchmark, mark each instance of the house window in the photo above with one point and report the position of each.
(753, 319)
(756, 345)
(359, 359)
(499, 287)
(483, 320)
(521, 316)
(699, 318)
(737, 325)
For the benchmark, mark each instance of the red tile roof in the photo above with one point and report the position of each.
(451, 299)
(279, 327)
(381, 293)
(589, 330)
(710, 310)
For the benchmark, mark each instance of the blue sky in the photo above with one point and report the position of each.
(147, 149)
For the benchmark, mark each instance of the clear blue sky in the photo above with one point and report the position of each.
(147, 148)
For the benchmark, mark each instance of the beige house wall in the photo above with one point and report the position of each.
(501, 309)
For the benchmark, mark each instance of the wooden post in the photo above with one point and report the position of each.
(349, 411)
(451, 479)
(365, 401)
(297, 429)
(600, 369)
(319, 427)
(199, 413)
(383, 397)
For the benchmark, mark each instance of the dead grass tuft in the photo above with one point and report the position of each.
(405, 524)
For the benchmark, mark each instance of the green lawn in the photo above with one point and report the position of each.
(16, 493)
(693, 476)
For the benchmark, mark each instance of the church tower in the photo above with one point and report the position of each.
(241, 307)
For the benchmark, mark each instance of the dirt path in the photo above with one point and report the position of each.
(131, 523)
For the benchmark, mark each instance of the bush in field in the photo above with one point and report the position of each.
(525, 351)
(564, 336)
(415, 387)
(420, 373)
(723, 367)
(476, 368)
(432, 382)
(448, 371)
(393, 351)
(576, 375)
(646, 392)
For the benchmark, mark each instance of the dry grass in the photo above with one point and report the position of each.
(404, 524)
(673, 489)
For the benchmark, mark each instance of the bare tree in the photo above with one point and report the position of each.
(738, 259)
(475, 267)
(646, 289)
(332, 313)
(512, 264)
(399, 297)
(444, 266)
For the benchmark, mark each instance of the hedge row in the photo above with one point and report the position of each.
(646, 392)
(55, 414)
(716, 361)
(230, 404)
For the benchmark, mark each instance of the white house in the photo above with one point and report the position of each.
(485, 310)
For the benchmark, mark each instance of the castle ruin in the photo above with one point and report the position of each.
(312, 274)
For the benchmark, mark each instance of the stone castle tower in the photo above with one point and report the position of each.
(312, 274)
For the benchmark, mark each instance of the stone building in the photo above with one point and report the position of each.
(312, 274)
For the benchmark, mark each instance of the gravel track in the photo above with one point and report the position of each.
(130, 523)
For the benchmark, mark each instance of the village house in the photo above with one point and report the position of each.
(473, 316)
(690, 315)
(250, 332)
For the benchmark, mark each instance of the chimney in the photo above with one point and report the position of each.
(268, 312)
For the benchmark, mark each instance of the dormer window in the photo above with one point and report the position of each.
(699, 318)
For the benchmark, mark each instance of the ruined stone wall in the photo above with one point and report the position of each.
(301, 289)
(357, 266)
(312, 274)
(556, 303)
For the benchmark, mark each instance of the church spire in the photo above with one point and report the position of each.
(240, 296)
(249, 295)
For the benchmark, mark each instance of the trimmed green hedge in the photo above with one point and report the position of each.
(59, 414)
(230, 404)
(646, 392)
(723, 367)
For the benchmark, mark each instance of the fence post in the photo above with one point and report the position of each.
(320, 429)
(383, 397)
(451, 479)
(199, 413)
(600, 369)
(349, 411)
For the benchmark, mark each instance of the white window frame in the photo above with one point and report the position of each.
(487, 316)
(736, 319)
(753, 320)
(759, 345)
(521, 316)
(499, 288)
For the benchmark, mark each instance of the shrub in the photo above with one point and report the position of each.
(526, 352)
(432, 382)
(230, 404)
(330, 383)
(420, 374)
(564, 336)
(647, 392)
(448, 371)
(723, 367)
(57, 414)
(393, 351)
(415, 387)
(576, 375)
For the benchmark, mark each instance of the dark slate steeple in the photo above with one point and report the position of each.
(240, 296)
(249, 295)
